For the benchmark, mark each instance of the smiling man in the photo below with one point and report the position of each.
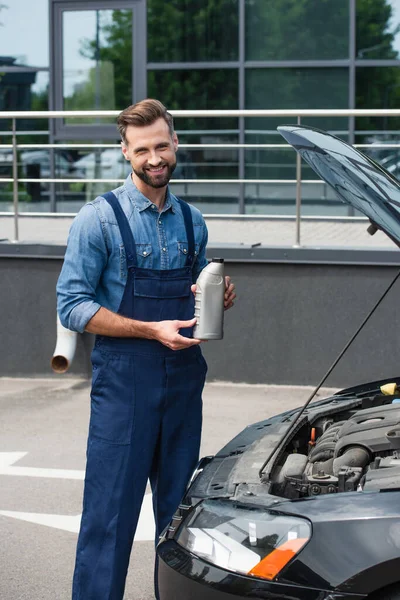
(132, 259)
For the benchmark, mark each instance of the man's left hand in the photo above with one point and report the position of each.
(229, 293)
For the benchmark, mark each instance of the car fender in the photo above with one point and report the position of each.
(370, 580)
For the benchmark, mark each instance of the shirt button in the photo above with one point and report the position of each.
(145, 253)
(153, 206)
(164, 249)
(159, 222)
(184, 251)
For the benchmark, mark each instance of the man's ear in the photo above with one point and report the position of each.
(175, 141)
(124, 150)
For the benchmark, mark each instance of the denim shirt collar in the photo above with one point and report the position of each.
(141, 202)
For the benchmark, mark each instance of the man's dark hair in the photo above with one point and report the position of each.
(143, 113)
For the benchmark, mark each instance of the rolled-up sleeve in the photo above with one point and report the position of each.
(85, 259)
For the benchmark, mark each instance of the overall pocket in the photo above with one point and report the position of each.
(112, 399)
(161, 288)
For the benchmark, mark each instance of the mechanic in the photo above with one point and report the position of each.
(132, 258)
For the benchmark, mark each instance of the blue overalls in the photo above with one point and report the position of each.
(145, 423)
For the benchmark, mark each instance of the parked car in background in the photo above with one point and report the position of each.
(63, 164)
(35, 164)
(302, 508)
(102, 164)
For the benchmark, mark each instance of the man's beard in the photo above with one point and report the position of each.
(156, 181)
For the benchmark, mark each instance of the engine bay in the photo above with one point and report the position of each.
(353, 450)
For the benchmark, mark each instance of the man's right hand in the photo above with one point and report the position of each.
(107, 323)
(167, 332)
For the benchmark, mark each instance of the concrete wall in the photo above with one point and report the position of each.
(295, 311)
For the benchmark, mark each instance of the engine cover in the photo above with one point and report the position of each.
(382, 479)
(368, 428)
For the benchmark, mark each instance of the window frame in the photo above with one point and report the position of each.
(139, 60)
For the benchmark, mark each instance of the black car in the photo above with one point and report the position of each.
(305, 505)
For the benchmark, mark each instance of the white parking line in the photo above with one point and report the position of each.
(145, 530)
(7, 460)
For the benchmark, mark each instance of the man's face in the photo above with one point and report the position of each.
(152, 152)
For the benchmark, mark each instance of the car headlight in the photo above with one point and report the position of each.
(244, 540)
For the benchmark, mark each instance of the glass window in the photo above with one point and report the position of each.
(383, 93)
(33, 164)
(378, 29)
(206, 89)
(280, 199)
(25, 90)
(25, 32)
(97, 55)
(293, 30)
(210, 198)
(40, 91)
(201, 90)
(16, 88)
(6, 193)
(291, 89)
(377, 87)
(195, 89)
(192, 30)
(297, 88)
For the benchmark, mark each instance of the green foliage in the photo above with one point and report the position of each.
(116, 65)
(373, 39)
(84, 96)
(191, 89)
(376, 87)
(39, 101)
(167, 23)
(192, 30)
(6, 192)
(297, 29)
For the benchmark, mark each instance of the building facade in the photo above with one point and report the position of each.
(198, 54)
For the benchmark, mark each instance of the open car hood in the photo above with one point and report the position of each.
(356, 179)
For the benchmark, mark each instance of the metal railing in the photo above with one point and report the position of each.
(296, 115)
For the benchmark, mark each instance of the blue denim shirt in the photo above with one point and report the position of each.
(95, 271)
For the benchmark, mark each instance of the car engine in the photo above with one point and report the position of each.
(357, 453)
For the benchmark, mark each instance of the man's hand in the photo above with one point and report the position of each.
(229, 292)
(167, 332)
(105, 322)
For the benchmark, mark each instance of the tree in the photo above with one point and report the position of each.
(194, 30)
(85, 93)
(296, 29)
(114, 50)
(376, 87)
(373, 38)
(173, 26)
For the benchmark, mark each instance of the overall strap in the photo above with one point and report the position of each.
(187, 217)
(124, 227)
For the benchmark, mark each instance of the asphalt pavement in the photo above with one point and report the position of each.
(43, 429)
